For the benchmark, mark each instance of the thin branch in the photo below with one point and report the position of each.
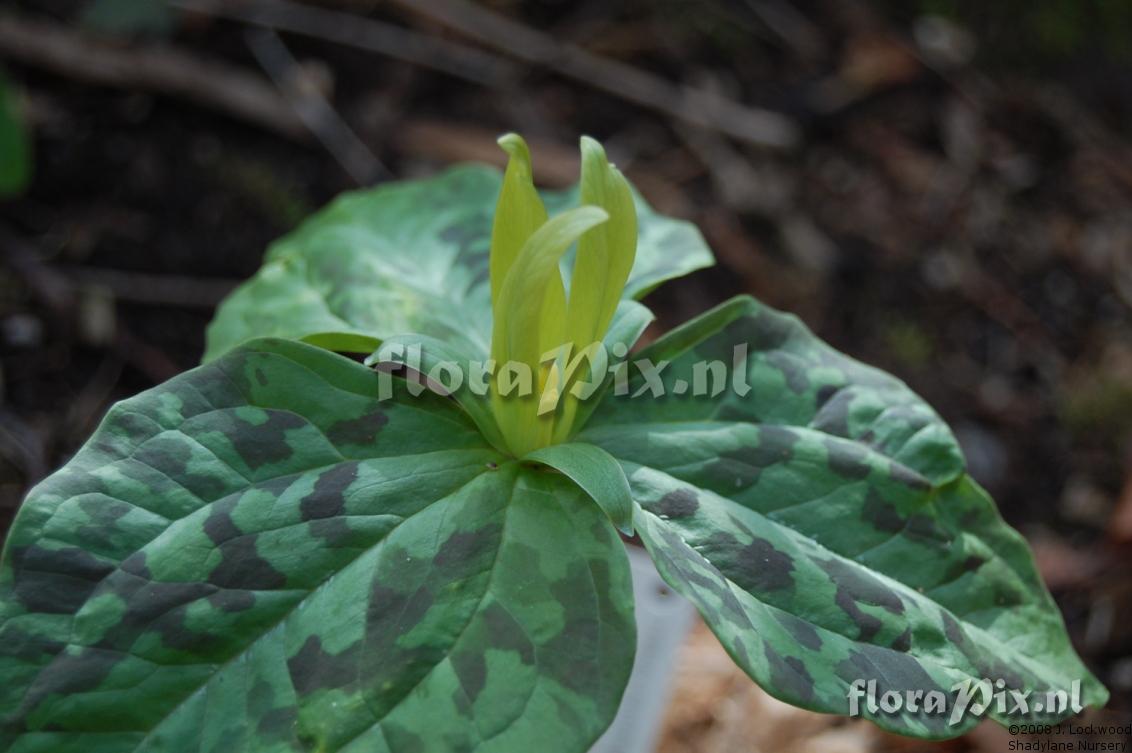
(163, 69)
(791, 26)
(698, 107)
(60, 297)
(368, 34)
(321, 118)
(178, 291)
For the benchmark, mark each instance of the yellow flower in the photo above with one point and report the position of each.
(537, 327)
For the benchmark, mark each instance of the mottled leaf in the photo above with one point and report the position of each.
(597, 473)
(435, 360)
(261, 555)
(629, 323)
(411, 257)
(825, 527)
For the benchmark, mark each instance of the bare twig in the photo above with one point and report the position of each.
(698, 107)
(139, 287)
(739, 183)
(791, 26)
(56, 285)
(60, 296)
(161, 69)
(321, 118)
(368, 34)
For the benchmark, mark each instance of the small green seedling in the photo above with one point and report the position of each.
(287, 550)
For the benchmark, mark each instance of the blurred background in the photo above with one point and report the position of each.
(943, 189)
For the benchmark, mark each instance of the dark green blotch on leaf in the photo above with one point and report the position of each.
(268, 443)
(855, 588)
(462, 546)
(742, 467)
(241, 566)
(471, 668)
(880, 514)
(327, 499)
(895, 671)
(927, 530)
(801, 631)
(847, 460)
(789, 676)
(794, 372)
(505, 634)
(57, 581)
(313, 668)
(757, 566)
(681, 503)
(362, 430)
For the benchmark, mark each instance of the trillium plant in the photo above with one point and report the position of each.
(290, 549)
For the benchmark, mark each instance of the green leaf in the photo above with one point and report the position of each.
(262, 555)
(15, 145)
(597, 473)
(412, 257)
(629, 323)
(408, 257)
(436, 354)
(825, 527)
